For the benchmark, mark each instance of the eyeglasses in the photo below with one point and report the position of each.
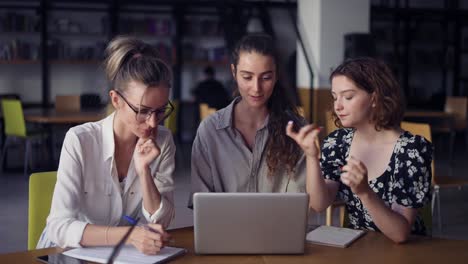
(143, 114)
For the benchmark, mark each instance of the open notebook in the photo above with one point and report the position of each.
(128, 254)
(333, 236)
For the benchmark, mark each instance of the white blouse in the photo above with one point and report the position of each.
(88, 190)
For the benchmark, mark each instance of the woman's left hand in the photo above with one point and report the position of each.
(146, 151)
(354, 175)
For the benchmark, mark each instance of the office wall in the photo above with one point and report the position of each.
(323, 24)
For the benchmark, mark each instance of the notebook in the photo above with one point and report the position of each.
(250, 223)
(128, 254)
(334, 236)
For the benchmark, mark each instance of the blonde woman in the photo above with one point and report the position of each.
(121, 165)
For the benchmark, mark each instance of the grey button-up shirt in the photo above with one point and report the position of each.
(221, 162)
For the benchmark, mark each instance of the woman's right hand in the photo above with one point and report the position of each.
(306, 138)
(147, 241)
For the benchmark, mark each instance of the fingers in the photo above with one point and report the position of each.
(354, 173)
(148, 242)
(307, 130)
(289, 130)
(159, 229)
(145, 145)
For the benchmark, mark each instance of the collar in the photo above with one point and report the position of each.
(108, 136)
(225, 116)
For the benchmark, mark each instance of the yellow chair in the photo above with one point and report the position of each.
(171, 121)
(15, 129)
(171, 124)
(438, 182)
(206, 111)
(41, 190)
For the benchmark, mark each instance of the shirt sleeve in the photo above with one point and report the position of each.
(164, 181)
(412, 184)
(202, 179)
(63, 227)
(332, 158)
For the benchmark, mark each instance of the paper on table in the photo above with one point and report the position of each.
(128, 254)
(333, 236)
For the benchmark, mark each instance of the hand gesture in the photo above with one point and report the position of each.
(306, 138)
(149, 239)
(146, 151)
(354, 175)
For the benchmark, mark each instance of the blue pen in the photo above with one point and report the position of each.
(132, 221)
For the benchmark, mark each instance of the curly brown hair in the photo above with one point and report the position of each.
(374, 76)
(281, 150)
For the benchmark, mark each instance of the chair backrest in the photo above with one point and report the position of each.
(458, 106)
(41, 189)
(67, 103)
(171, 121)
(205, 111)
(330, 123)
(424, 130)
(13, 118)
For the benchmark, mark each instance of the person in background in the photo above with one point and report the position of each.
(121, 165)
(211, 91)
(381, 172)
(243, 147)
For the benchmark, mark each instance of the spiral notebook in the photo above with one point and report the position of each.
(128, 254)
(334, 236)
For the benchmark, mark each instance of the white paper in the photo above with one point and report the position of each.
(333, 236)
(128, 254)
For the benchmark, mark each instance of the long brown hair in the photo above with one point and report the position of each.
(374, 76)
(281, 150)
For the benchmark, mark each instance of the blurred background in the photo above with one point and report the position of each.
(51, 54)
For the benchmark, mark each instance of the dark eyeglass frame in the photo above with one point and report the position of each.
(168, 109)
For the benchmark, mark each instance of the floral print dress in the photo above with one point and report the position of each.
(406, 181)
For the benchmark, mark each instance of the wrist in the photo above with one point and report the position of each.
(312, 159)
(365, 194)
(145, 172)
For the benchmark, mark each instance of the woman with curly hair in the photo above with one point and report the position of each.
(244, 147)
(380, 171)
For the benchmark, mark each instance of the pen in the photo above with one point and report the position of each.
(132, 221)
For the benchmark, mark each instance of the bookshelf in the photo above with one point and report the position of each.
(54, 35)
(423, 41)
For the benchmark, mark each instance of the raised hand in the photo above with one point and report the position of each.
(306, 138)
(146, 151)
(149, 239)
(354, 175)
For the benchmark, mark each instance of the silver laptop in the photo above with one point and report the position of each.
(250, 223)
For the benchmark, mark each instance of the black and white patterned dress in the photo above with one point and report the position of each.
(406, 181)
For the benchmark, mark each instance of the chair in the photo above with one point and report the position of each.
(41, 189)
(205, 111)
(330, 123)
(457, 106)
(15, 129)
(67, 103)
(437, 182)
(171, 124)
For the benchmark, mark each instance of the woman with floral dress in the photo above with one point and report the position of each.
(381, 172)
